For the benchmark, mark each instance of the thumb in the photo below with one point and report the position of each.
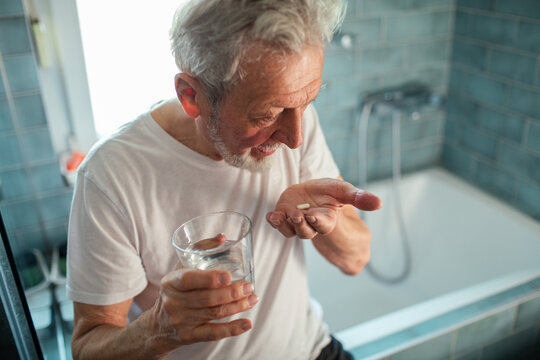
(364, 200)
(347, 193)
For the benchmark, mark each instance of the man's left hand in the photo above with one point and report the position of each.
(325, 197)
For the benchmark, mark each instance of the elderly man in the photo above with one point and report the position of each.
(241, 135)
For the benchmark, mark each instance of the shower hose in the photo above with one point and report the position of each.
(396, 175)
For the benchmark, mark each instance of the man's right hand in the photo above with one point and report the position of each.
(188, 302)
(190, 299)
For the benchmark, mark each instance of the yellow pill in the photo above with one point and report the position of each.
(302, 206)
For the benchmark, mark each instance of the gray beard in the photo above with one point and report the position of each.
(243, 161)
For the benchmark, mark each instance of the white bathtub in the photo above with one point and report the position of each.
(465, 244)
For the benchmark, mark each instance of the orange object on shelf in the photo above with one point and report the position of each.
(74, 161)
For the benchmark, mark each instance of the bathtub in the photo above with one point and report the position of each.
(466, 246)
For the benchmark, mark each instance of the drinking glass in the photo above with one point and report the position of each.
(220, 240)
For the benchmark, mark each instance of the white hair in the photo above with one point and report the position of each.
(210, 38)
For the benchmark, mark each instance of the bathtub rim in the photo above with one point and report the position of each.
(443, 175)
(372, 330)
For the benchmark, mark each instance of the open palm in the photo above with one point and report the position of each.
(325, 197)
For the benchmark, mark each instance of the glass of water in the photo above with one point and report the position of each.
(219, 240)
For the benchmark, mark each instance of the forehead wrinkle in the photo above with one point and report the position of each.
(305, 96)
(268, 85)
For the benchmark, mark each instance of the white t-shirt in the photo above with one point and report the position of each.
(136, 187)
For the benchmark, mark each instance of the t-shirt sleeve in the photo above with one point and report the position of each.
(104, 266)
(317, 161)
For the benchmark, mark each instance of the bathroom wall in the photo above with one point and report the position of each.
(33, 198)
(511, 333)
(393, 41)
(492, 135)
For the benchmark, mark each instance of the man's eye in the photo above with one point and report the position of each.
(266, 119)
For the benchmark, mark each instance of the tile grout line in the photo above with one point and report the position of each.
(496, 14)
(502, 338)
(408, 12)
(536, 72)
(504, 110)
(453, 345)
(469, 21)
(450, 50)
(525, 134)
(498, 78)
(514, 320)
(359, 8)
(30, 164)
(11, 16)
(18, 94)
(40, 195)
(519, 176)
(495, 46)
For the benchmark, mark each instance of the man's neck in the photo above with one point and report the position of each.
(170, 116)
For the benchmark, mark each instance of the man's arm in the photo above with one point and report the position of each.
(181, 316)
(331, 221)
(347, 246)
(101, 332)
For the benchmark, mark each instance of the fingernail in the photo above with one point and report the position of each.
(311, 219)
(275, 221)
(246, 326)
(248, 289)
(296, 220)
(359, 194)
(253, 299)
(223, 279)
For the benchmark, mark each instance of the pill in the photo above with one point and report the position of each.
(302, 206)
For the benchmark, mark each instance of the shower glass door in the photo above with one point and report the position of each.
(31, 320)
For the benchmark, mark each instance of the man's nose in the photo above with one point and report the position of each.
(290, 128)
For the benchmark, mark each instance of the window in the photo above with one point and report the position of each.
(111, 60)
(128, 58)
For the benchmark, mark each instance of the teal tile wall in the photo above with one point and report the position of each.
(509, 333)
(436, 349)
(528, 314)
(393, 42)
(8, 7)
(33, 198)
(484, 331)
(492, 132)
(505, 325)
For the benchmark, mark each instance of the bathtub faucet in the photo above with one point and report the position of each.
(408, 98)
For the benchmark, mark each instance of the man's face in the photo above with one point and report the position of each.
(264, 110)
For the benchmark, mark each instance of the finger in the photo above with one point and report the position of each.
(213, 332)
(323, 220)
(366, 201)
(210, 243)
(302, 229)
(185, 280)
(224, 310)
(214, 297)
(278, 220)
(347, 193)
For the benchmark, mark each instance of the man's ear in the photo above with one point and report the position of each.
(187, 93)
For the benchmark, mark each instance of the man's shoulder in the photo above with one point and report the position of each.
(114, 149)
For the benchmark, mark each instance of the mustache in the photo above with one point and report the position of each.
(271, 146)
